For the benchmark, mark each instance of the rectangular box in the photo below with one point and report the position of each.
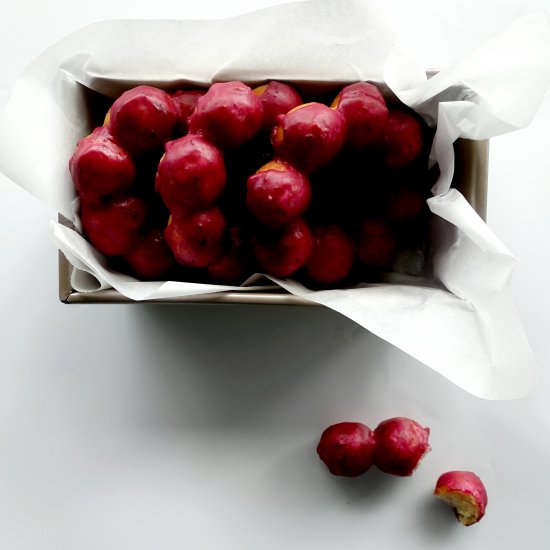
(470, 178)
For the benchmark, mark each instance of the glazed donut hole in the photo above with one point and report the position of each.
(276, 98)
(142, 119)
(277, 194)
(308, 136)
(100, 167)
(195, 238)
(228, 115)
(114, 228)
(191, 174)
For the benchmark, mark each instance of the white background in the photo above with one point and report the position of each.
(194, 427)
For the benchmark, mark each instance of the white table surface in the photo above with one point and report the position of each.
(194, 427)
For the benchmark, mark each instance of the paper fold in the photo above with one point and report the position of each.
(467, 329)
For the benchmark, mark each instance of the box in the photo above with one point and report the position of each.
(470, 178)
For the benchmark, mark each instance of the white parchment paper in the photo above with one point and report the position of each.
(468, 330)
